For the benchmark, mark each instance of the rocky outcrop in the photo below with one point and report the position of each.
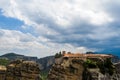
(46, 63)
(95, 74)
(22, 70)
(2, 72)
(76, 69)
(66, 69)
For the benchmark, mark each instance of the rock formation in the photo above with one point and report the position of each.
(66, 70)
(2, 72)
(88, 68)
(22, 70)
(46, 63)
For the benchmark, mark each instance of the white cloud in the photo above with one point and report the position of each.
(59, 25)
(43, 15)
(61, 12)
(27, 44)
(11, 40)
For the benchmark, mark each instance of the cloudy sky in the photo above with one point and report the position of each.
(43, 27)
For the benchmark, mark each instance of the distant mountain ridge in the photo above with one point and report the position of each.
(45, 63)
(14, 56)
(11, 54)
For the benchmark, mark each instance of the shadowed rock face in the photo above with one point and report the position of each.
(22, 70)
(74, 69)
(2, 72)
(95, 74)
(66, 69)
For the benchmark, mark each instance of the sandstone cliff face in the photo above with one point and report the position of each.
(22, 70)
(2, 72)
(66, 69)
(95, 74)
(74, 69)
(46, 62)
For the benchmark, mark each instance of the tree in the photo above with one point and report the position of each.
(58, 55)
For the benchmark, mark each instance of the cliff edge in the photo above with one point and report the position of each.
(84, 67)
(20, 70)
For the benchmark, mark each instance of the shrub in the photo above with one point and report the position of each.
(90, 64)
(44, 75)
(58, 55)
(106, 66)
(4, 62)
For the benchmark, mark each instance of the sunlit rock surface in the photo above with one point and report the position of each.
(73, 68)
(21, 70)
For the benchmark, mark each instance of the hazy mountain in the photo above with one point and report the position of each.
(45, 63)
(14, 56)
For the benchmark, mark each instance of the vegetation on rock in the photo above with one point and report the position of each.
(58, 55)
(44, 75)
(21, 70)
(90, 64)
(4, 62)
(105, 66)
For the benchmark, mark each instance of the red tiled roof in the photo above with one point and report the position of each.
(87, 55)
